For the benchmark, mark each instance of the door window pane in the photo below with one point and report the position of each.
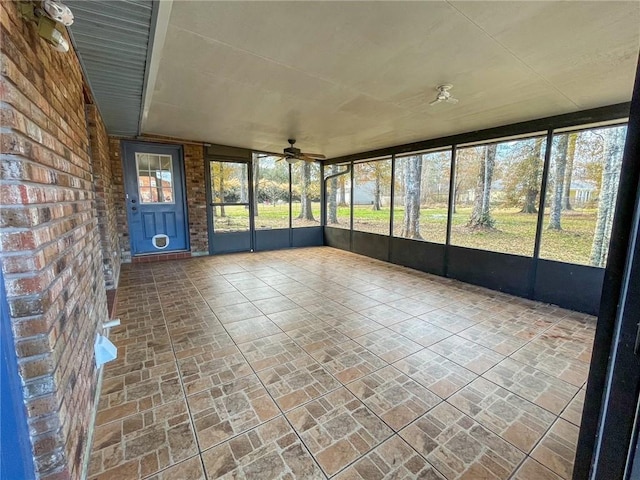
(372, 196)
(305, 191)
(338, 210)
(581, 195)
(230, 194)
(497, 191)
(229, 182)
(271, 180)
(421, 196)
(155, 178)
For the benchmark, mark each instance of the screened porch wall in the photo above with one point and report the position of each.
(562, 266)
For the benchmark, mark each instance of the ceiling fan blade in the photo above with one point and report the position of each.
(436, 101)
(452, 100)
(307, 158)
(314, 155)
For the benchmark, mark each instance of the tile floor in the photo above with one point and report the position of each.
(316, 363)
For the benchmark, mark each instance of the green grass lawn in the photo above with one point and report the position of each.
(270, 216)
(514, 232)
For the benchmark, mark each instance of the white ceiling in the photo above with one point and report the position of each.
(345, 77)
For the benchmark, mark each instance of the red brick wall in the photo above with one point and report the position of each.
(196, 197)
(117, 184)
(105, 192)
(50, 242)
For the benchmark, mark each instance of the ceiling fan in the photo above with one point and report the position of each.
(292, 154)
(444, 95)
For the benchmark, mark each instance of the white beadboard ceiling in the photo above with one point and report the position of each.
(345, 77)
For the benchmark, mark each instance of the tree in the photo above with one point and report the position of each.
(531, 178)
(378, 173)
(332, 213)
(571, 150)
(271, 182)
(466, 171)
(256, 177)
(218, 174)
(481, 214)
(435, 178)
(558, 183)
(305, 195)
(342, 197)
(523, 173)
(412, 175)
(614, 143)
(377, 201)
(244, 187)
(272, 192)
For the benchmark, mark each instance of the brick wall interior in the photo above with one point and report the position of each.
(50, 240)
(195, 190)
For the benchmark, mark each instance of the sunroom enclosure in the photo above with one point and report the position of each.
(527, 210)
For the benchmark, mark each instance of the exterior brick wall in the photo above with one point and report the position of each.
(104, 188)
(195, 190)
(196, 198)
(117, 184)
(50, 241)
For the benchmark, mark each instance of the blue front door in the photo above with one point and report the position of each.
(156, 211)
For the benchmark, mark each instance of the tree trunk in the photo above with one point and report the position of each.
(342, 197)
(532, 184)
(412, 186)
(571, 150)
(332, 214)
(456, 195)
(377, 204)
(530, 198)
(607, 201)
(481, 214)
(256, 180)
(244, 190)
(558, 188)
(222, 214)
(305, 199)
(425, 186)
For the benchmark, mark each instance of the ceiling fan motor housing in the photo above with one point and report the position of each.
(293, 151)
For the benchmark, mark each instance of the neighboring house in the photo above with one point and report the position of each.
(363, 194)
(582, 192)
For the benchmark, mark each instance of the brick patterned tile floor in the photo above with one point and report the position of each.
(317, 363)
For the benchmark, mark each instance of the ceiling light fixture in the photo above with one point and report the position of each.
(58, 12)
(444, 95)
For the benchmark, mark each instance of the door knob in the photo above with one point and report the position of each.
(134, 208)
